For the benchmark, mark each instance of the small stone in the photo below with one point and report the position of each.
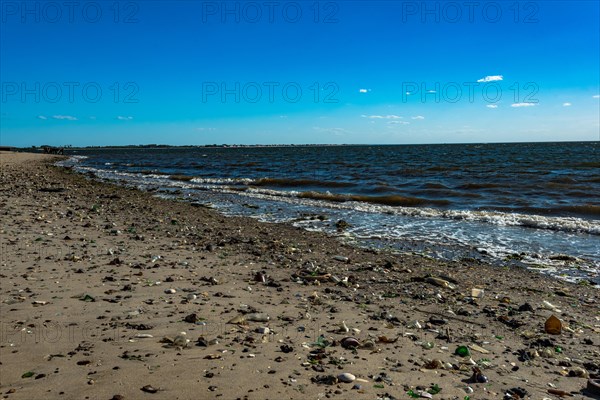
(170, 291)
(263, 330)
(346, 377)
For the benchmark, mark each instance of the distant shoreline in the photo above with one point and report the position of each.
(224, 146)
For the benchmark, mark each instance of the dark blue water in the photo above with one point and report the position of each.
(505, 202)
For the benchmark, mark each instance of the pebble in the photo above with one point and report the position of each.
(263, 330)
(346, 377)
(170, 291)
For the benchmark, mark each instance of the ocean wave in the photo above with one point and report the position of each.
(392, 204)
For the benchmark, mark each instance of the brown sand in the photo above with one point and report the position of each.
(67, 240)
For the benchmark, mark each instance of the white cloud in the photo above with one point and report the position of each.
(382, 116)
(596, 96)
(122, 118)
(491, 78)
(65, 117)
(42, 117)
(567, 104)
(398, 123)
(431, 91)
(364, 90)
(523, 104)
(418, 117)
(492, 106)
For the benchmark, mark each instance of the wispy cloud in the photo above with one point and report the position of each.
(122, 118)
(491, 78)
(596, 96)
(418, 117)
(382, 116)
(567, 104)
(42, 117)
(431, 91)
(492, 106)
(398, 123)
(364, 90)
(523, 104)
(65, 117)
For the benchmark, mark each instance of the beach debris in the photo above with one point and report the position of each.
(257, 317)
(462, 351)
(549, 306)
(149, 389)
(238, 320)
(439, 282)
(346, 377)
(478, 376)
(28, 374)
(553, 326)
(516, 393)
(477, 293)
(350, 343)
(143, 336)
(478, 348)
(579, 372)
(343, 327)
(263, 330)
(286, 348)
(170, 291)
(341, 258)
(558, 392)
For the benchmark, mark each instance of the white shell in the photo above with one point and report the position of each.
(346, 377)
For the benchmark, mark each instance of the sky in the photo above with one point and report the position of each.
(86, 73)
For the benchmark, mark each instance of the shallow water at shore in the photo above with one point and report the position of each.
(547, 218)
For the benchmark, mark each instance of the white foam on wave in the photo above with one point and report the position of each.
(498, 218)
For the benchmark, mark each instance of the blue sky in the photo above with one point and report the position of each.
(202, 72)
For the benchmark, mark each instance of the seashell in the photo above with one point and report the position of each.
(170, 291)
(181, 340)
(343, 327)
(346, 377)
(350, 343)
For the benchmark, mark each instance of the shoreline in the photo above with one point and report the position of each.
(65, 237)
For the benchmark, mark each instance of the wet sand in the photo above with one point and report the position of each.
(97, 282)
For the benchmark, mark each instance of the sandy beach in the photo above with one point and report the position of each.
(98, 282)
